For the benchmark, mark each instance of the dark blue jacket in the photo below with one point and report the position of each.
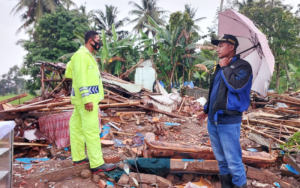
(233, 94)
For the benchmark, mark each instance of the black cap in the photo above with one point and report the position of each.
(226, 38)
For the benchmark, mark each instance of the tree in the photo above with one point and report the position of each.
(282, 29)
(242, 4)
(12, 82)
(35, 9)
(192, 13)
(52, 37)
(105, 20)
(148, 9)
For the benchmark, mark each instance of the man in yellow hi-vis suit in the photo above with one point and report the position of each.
(87, 91)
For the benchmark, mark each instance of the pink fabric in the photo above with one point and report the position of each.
(56, 128)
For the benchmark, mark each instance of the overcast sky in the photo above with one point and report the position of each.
(12, 54)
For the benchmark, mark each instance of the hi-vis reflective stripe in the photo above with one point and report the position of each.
(72, 92)
(85, 94)
(92, 90)
(83, 88)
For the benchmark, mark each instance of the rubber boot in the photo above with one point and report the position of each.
(103, 168)
(226, 181)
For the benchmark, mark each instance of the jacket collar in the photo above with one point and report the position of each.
(83, 48)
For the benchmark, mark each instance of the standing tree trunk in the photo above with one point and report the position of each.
(172, 73)
(277, 76)
(221, 5)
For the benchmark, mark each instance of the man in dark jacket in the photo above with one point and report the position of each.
(229, 97)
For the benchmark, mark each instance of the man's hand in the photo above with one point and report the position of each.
(201, 116)
(89, 106)
(224, 62)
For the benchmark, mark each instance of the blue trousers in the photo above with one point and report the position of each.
(225, 143)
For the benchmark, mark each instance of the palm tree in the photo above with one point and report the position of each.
(105, 20)
(242, 4)
(148, 8)
(35, 9)
(192, 13)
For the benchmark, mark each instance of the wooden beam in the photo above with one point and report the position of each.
(31, 108)
(57, 80)
(151, 109)
(282, 110)
(13, 98)
(274, 124)
(126, 74)
(29, 144)
(37, 103)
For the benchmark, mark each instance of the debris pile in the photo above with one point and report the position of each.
(153, 136)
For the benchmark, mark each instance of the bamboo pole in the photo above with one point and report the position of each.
(274, 124)
(13, 98)
(181, 105)
(264, 134)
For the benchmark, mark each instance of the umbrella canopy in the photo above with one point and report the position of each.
(260, 57)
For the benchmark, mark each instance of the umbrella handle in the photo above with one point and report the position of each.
(255, 46)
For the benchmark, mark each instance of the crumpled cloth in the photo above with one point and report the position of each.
(56, 128)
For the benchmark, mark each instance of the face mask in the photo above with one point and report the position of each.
(96, 46)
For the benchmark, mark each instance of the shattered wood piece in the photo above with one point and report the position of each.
(38, 103)
(264, 134)
(126, 74)
(32, 108)
(291, 161)
(274, 124)
(152, 109)
(29, 144)
(289, 103)
(103, 106)
(121, 133)
(200, 166)
(13, 98)
(282, 110)
(181, 104)
(106, 90)
(107, 142)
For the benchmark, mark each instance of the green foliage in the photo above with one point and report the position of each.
(292, 143)
(282, 29)
(142, 12)
(53, 37)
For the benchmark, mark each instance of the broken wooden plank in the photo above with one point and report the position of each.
(31, 108)
(29, 144)
(37, 103)
(13, 98)
(282, 110)
(264, 134)
(126, 74)
(103, 106)
(152, 109)
(274, 124)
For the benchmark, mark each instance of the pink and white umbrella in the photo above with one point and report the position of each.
(259, 56)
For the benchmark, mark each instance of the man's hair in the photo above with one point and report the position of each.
(89, 35)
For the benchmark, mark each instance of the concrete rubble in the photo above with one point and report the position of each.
(137, 123)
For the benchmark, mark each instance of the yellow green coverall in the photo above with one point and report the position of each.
(84, 125)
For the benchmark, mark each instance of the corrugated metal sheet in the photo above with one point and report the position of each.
(145, 75)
